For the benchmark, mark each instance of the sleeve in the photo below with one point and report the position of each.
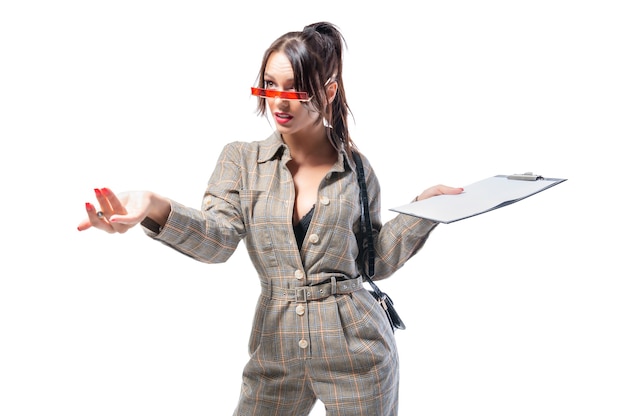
(212, 234)
(397, 240)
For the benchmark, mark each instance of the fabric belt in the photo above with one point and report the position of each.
(314, 292)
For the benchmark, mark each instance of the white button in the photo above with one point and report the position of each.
(300, 310)
(299, 274)
(314, 238)
(303, 343)
(324, 200)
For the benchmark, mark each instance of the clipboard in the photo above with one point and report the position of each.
(479, 197)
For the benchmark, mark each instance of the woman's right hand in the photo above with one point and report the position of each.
(119, 213)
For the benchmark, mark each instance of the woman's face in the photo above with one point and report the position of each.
(290, 116)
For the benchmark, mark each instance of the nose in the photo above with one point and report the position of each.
(280, 102)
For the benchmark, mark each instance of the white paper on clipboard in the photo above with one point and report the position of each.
(479, 197)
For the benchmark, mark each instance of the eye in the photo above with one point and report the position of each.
(269, 84)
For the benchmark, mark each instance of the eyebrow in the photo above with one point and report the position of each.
(270, 76)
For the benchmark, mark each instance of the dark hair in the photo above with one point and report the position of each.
(316, 56)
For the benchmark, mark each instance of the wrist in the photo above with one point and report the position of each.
(159, 209)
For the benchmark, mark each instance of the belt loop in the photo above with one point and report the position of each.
(333, 285)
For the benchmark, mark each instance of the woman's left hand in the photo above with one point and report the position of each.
(438, 190)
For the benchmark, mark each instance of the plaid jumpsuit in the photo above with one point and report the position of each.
(339, 349)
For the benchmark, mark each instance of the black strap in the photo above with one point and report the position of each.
(366, 226)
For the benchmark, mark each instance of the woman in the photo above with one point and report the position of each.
(294, 199)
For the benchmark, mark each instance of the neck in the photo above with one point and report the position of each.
(310, 146)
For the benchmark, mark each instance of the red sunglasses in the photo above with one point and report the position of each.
(283, 95)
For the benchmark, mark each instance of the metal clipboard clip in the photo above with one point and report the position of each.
(528, 176)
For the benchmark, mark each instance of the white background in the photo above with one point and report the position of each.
(516, 312)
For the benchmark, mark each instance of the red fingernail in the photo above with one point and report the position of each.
(106, 191)
(97, 191)
(88, 206)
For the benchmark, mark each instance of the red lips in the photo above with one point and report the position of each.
(282, 118)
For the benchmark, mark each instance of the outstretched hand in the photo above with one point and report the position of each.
(438, 190)
(117, 214)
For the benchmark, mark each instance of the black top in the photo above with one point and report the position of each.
(301, 228)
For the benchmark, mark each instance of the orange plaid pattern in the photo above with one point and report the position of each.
(339, 349)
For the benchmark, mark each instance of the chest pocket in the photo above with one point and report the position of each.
(338, 218)
(257, 209)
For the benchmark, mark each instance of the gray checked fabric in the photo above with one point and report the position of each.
(339, 349)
